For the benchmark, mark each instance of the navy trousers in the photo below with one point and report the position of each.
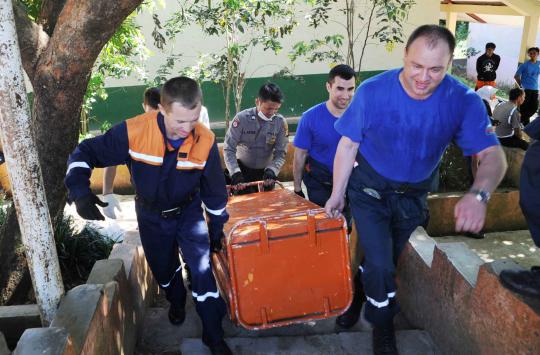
(161, 239)
(385, 213)
(529, 190)
(318, 180)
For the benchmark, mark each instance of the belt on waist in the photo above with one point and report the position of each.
(318, 172)
(165, 213)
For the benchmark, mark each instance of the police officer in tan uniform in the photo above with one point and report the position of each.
(256, 143)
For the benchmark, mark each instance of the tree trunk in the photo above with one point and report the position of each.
(59, 68)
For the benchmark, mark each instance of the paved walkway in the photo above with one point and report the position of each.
(515, 245)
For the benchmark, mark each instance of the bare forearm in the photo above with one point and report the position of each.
(109, 173)
(491, 169)
(517, 78)
(343, 165)
(300, 156)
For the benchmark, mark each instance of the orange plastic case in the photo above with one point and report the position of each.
(285, 261)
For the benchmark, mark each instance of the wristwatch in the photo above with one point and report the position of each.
(481, 195)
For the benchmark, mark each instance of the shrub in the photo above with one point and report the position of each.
(454, 171)
(77, 252)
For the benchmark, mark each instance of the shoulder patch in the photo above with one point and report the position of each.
(235, 122)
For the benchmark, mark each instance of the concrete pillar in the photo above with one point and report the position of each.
(25, 173)
(451, 20)
(528, 38)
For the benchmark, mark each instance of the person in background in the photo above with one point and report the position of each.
(150, 103)
(509, 128)
(527, 282)
(255, 144)
(527, 78)
(486, 67)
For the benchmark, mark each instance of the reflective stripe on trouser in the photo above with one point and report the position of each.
(160, 238)
(384, 225)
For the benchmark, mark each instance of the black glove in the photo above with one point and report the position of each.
(86, 207)
(269, 175)
(216, 243)
(237, 178)
(300, 193)
(269, 179)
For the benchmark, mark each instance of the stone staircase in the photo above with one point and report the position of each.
(313, 338)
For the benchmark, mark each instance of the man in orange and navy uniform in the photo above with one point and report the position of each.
(174, 164)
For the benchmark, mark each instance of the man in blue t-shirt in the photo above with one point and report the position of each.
(315, 143)
(394, 134)
(527, 77)
(316, 139)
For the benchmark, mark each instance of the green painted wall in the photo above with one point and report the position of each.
(301, 94)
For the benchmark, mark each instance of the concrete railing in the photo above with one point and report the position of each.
(449, 291)
(103, 316)
(503, 213)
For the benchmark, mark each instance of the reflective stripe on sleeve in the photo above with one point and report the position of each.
(77, 164)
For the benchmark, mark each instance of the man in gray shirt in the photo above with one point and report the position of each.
(507, 115)
(256, 143)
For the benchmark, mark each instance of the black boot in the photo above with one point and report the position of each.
(219, 348)
(523, 282)
(350, 317)
(177, 315)
(384, 340)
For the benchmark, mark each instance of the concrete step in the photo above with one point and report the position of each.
(159, 332)
(161, 335)
(410, 342)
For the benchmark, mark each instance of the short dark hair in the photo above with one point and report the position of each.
(270, 92)
(533, 49)
(152, 97)
(343, 71)
(433, 33)
(182, 90)
(515, 93)
(490, 45)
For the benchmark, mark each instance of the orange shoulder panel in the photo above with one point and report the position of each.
(194, 152)
(145, 139)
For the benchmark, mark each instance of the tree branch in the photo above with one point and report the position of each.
(81, 32)
(48, 14)
(32, 39)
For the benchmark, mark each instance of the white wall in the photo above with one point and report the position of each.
(193, 42)
(507, 39)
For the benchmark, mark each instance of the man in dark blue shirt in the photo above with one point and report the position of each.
(394, 133)
(315, 143)
(175, 168)
(316, 139)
